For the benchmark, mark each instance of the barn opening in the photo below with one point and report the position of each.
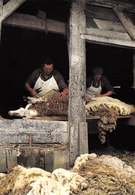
(19, 58)
(118, 68)
(22, 51)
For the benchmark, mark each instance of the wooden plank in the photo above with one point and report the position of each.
(48, 161)
(29, 156)
(10, 7)
(53, 118)
(83, 138)
(99, 12)
(61, 159)
(109, 25)
(127, 23)
(3, 164)
(134, 69)
(1, 8)
(107, 34)
(1, 12)
(19, 131)
(48, 158)
(34, 23)
(11, 156)
(112, 3)
(97, 117)
(77, 73)
(108, 41)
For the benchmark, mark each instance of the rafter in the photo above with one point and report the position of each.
(1, 7)
(1, 12)
(10, 7)
(127, 23)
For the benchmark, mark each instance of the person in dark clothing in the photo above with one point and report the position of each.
(45, 79)
(97, 85)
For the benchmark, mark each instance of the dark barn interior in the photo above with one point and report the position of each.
(22, 51)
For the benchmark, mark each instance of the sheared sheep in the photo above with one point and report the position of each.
(91, 174)
(50, 105)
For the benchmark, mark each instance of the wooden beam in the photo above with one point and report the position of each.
(1, 12)
(34, 23)
(10, 7)
(108, 41)
(134, 69)
(77, 73)
(109, 25)
(40, 131)
(108, 34)
(112, 3)
(127, 23)
(1, 7)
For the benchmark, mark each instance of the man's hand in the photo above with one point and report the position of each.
(87, 99)
(98, 95)
(63, 94)
(33, 92)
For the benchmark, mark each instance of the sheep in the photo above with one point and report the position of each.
(91, 174)
(54, 104)
(49, 105)
(107, 108)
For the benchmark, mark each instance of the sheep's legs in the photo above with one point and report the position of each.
(20, 112)
(24, 112)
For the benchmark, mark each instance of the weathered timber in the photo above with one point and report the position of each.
(34, 23)
(129, 4)
(1, 11)
(100, 12)
(56, 158)
(8, 157)
(3, 165)
(11, 155)
(35, 131)
(108, 41)
(77, 66)
(47, 157)
(117, 29)
(10, 7)
(129, 26)
(134, 69)
(53, 118)
(109, 25)
(83, 138)
(1, 7)
(107, 34)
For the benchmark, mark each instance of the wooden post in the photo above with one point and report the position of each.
(134, 69)
(1, 11)
(77, 75)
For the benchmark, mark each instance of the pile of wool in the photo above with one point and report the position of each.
(91, 174)
(107, 109)
(35, 181)
(119, 107)
(105, 175)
